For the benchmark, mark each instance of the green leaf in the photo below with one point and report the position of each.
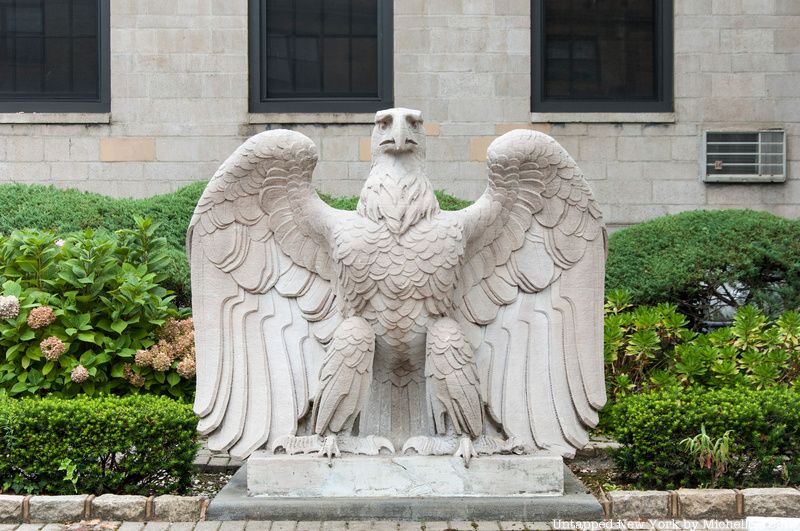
(27, 335)
(173, 379)
(48, 367)
(19, 387)
(88, 337)
(119, 326)
(118, 370)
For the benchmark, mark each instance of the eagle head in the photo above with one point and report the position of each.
(397, 132)
(397, 192)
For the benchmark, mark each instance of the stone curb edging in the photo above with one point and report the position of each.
(702, 503)
(633, 505)
(16, 509)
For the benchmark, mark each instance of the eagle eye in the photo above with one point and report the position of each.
(384, 123)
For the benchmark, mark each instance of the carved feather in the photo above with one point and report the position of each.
(260, 273)
(541, 307)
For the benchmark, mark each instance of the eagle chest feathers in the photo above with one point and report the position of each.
(398, 281)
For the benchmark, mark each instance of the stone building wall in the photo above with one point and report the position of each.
(179, 105)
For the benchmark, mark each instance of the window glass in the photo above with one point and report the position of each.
(322, 55)
(49, 50)
(602, 54)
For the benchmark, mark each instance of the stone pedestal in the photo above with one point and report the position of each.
(421, 488)
(404, 476)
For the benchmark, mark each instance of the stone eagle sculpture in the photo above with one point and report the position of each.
(399, 326)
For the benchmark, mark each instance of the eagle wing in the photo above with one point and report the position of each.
(261, 292)
(531, 286)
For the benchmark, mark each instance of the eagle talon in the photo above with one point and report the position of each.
(330, 449)
(369, 445)
(466, 450)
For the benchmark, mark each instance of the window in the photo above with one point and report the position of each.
(745, 156)
(602, 55)
(320, 55)
(54, 56)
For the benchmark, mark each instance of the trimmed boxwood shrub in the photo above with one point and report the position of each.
(132, 445)
(694, 259)
(764, 433)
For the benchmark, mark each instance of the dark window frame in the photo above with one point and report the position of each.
(101, 104)
(663, 71)
(257, 66)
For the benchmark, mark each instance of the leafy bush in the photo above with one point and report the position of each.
(762, 448)
(649, 348)
(58, 210)
(82, 308)
(639, 343)
(68, 210)
(132, 445)
(704, 260)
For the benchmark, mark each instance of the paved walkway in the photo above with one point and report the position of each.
(96, 525)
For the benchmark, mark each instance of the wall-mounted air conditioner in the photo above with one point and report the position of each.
(744, 156)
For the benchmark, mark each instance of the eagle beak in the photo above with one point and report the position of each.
(400, 140)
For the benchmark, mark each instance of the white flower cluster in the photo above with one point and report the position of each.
(9, 307)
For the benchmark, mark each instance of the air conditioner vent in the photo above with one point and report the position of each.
(745, 156)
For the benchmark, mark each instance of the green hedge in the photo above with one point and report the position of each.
(133, 445)
(764, 433)
(58, 210)
(685, 259)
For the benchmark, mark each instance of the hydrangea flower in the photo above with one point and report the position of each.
(9, 307)
(143, 358)
(41, 317)
(136, 380)
(161, 361)
(52, 348)
(187, 368)
(79, 374)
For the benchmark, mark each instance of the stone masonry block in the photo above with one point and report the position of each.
(636, 504)
(25, 148)
(119, 508)
(478, 147)
(771, 502)
(57, 508)
(742, 85)
(707, 503)
(689, 192)
(126, 149)
(432, 129)
(596, 148)
(364, 148)
(340, 148)
(168, 508)
(10, 508)
(694, 40)
(783, 85)
(643, 148)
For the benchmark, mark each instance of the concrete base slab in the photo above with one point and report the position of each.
(308, 476)
(233, 503)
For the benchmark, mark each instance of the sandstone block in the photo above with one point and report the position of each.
(707, 503)
(116, 507)
(634, 504)
(127, 149)
(10, 508)
(170, 508)
(771, 502)
(57, 508)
